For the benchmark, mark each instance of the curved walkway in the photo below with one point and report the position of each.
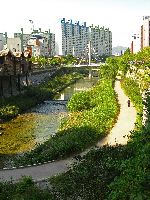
(118, 134)
(125, 123)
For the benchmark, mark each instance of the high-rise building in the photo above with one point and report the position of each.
(145, 32)
(101, 40)
(76, 37)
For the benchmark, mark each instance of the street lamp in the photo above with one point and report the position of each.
(18, 48)
(135, 36)
(32, 23)
(89, 45)
(21, 37)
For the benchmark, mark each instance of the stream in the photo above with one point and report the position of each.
(34, 127)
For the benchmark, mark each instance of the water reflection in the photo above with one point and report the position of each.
(80, 85)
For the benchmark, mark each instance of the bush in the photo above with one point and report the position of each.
(79, 102)
(8, 112)
(25, 189)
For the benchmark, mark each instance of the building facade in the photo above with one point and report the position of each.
(101, 40)
(39, 42)
(145, 32)
(3, 41)
(23, 38)
(76, 38)
(47, 41)
(14, 44)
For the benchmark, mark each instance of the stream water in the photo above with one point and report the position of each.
(37, 125)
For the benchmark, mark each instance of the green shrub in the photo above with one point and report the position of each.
(25, 189)
(8, 112)
(79, 102)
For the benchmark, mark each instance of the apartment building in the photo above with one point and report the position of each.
(41, 43)
(145, 32)
(101, 40)
(52, 44)
(45, 40)
(76, 37)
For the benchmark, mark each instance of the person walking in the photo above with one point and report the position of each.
(128, 102)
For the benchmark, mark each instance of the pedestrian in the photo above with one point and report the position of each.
(128, 102)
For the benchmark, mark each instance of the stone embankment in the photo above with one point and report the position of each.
(33, 78)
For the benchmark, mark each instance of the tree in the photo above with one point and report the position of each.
(110, 69)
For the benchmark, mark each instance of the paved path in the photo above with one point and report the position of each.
(126, 121)
(38, 173)
(124, 125)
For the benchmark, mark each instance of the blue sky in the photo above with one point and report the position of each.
(123, 17)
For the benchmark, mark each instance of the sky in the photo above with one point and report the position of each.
(122, 17)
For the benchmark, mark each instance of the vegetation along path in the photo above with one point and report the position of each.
(126, 120)
(118, 134)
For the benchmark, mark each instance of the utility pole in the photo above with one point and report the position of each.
(90, 52)
(49, 43)
(89, 45)
(21, 37)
